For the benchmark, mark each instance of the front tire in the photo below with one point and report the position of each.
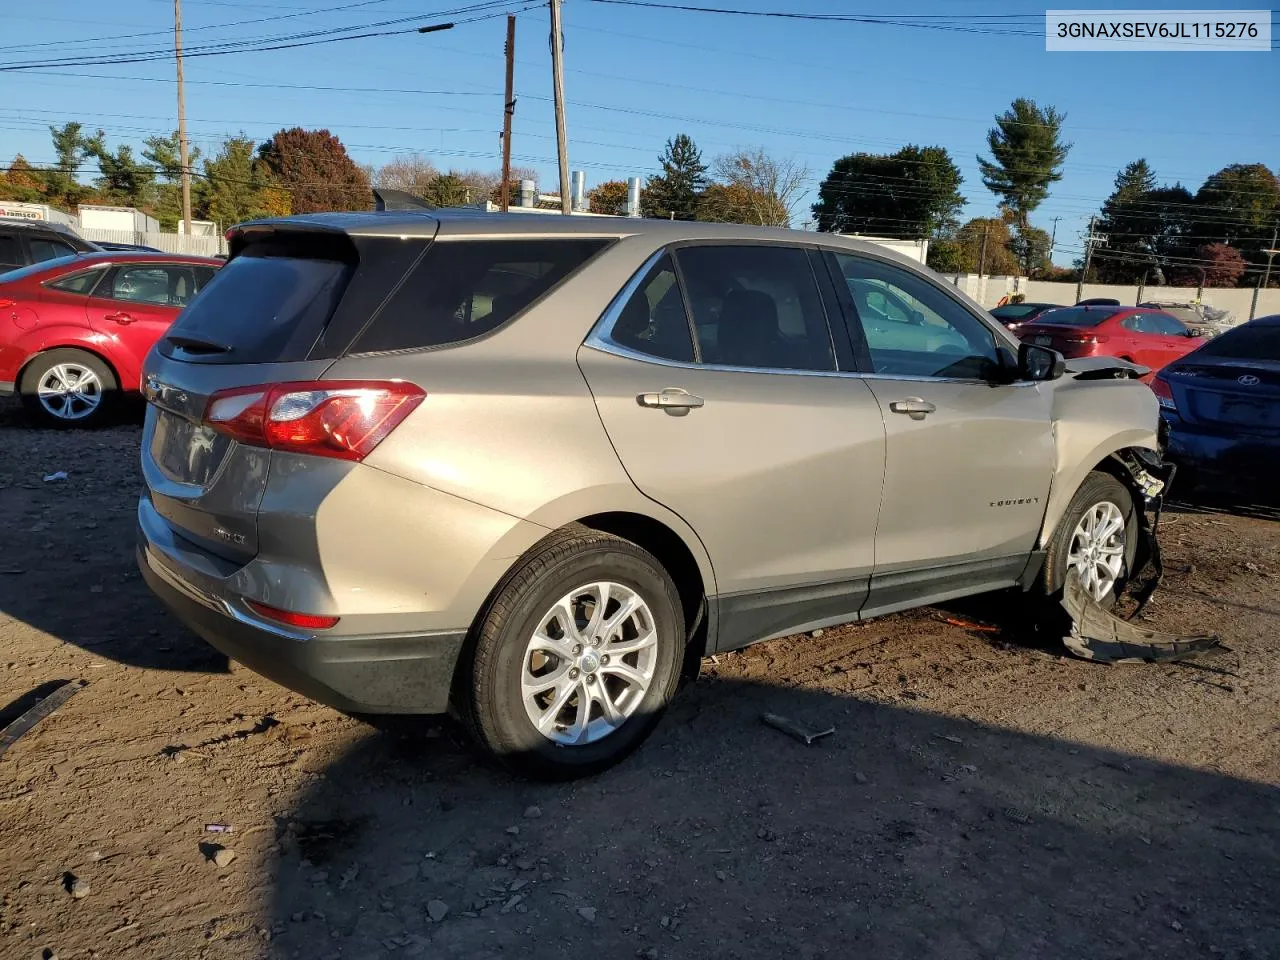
(576, 657)
(68, 388)
(1097, 537)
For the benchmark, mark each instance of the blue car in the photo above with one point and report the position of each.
(1221, 407)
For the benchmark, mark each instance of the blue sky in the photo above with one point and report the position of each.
(802, 90)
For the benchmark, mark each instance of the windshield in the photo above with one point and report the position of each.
(23, 272)
(1249, 342)
(1075, 316)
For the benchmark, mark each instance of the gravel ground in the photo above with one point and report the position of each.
(982, 796)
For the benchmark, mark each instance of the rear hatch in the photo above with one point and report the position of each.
(1242, 396)
(285, 305)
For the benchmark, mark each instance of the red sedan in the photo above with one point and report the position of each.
(74, 331)
(1151, 338)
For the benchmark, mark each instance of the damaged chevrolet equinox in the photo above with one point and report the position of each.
(526, 469)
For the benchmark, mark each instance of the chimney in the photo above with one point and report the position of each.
(527, 193)
(633, 197)
(579, 181)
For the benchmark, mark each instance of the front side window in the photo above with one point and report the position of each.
(913, 329)
(1166, 325)
(756, 306)
(653, 320)
(465, 288)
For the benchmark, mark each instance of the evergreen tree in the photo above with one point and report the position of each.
(674, 194)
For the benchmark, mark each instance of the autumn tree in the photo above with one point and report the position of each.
(1027, 154)
(673, 194)
(21, 182)
(1240, 205)
(609, 198)
(914, 192)
(752, 187)
(316, 170)
(1223, 266)
(999, 261)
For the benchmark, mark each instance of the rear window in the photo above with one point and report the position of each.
(1014, 311)
(465, 288)
(1248, 342)
(1075, 316)
(264, 309)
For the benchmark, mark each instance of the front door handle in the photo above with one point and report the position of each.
(914, 407)
(675, 401)
(122, 318)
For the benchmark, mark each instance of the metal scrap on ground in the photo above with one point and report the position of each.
(793, 729)
(10, 734)
(1098, 635)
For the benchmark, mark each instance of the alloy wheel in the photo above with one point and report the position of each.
(1097, 549)
(69, 391)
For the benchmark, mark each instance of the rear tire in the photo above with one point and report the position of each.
(1080, 540)
(68, 388)
(561, 686)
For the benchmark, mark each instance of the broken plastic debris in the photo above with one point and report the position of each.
(50, 477)
(217, 828)
(1098, 635)
(793, 729)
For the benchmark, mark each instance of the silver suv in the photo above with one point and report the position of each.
(524, 468)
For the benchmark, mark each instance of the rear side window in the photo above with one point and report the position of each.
(264, 309)
(10, 252)
(80, 283)
(654, 321)
(465, 288)
(42, 250)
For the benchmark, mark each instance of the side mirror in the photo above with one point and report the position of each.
(1040, 363)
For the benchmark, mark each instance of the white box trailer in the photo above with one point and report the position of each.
(36, 212)
(96, 217)
(917, 250)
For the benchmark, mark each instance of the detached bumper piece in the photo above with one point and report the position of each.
(1097, 635)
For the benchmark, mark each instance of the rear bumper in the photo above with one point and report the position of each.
(401, 674)
(1241, 459)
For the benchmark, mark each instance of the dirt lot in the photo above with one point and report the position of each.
(982, 796)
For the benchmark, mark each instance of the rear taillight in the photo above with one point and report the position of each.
(1164, 394)
(5, 304)
(343, 419)
(1084, 338)
(303, 621)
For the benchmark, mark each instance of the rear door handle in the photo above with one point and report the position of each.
(914, 407)
(122, 318)
(675, 401)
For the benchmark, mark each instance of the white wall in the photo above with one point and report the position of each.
(988, 291)
(168, 242)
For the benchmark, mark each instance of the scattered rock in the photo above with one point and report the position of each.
(968, 768)
(860, 777)
(79, 889)
(437, 910)
(222, 857)
(587, 913)
(721, 876)
(817, 633)
(1176, 926)
(1015, 815)
(512, 903)
(532, 812)
(650, 954)
(513, 830)
(518, 884)
(524, 863)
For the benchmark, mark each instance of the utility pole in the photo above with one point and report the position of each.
(508, 110)
(557, 78)
(982, 257)
(1089, 241)
(1053, 238)
(1275, 235)
(183, 150)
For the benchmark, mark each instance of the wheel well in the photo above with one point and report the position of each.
(665, 544)
(1118, 465)
(22, 371)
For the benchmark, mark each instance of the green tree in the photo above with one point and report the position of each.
(674, 193)
(60, 184)
(235, 186)
(609, 197)
(914, 192)
(1027, 153)
(165, 154)
(123, 178)
(451, 190)
(1146, 227)
(1240, 206)
(315, 169)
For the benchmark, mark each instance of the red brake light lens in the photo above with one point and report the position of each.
(1164, 394)
(342, 419)
(303, 621)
